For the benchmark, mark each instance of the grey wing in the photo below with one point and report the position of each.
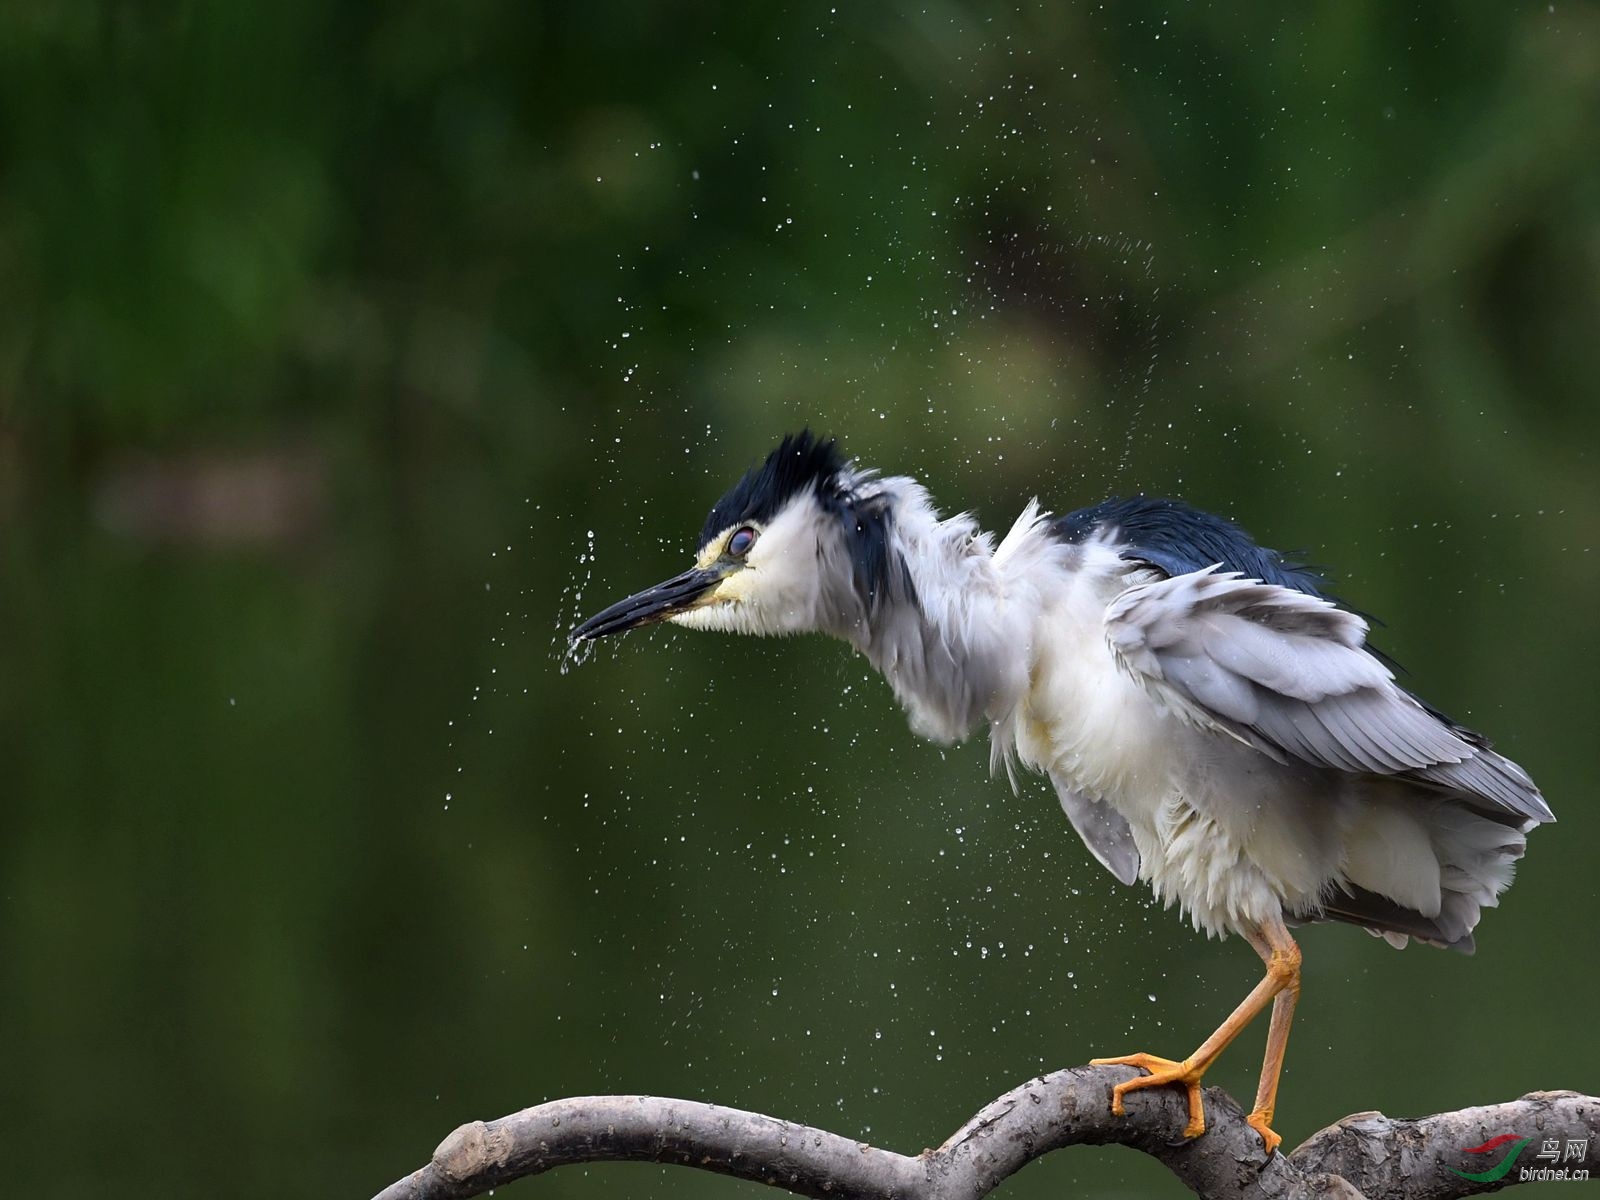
(1103, 829)
(1289, 673)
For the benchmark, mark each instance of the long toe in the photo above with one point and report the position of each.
(1163, 1071)
(1261, 1122)
(1150, 1062)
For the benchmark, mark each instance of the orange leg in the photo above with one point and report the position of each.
(1277, 1036)
(1281, 984)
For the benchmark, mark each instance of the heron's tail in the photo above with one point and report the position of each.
(1422, 867)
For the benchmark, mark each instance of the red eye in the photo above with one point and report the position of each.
(741, 541)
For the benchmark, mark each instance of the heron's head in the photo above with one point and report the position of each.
(800, 543)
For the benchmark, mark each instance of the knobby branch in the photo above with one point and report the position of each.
(1365, 1155)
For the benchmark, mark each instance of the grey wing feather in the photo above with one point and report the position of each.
(1103, 829)
(1289, 673)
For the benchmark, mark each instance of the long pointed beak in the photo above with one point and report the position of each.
(649, 606)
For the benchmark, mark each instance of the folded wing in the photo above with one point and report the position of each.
(1290, 674)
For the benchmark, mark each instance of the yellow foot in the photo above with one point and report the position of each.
(1261, 1122)
(1162, 1071)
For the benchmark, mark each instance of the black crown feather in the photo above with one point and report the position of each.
(802, 461)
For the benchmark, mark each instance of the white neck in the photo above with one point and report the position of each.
(950, 651)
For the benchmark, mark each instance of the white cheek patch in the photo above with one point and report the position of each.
(776, 589)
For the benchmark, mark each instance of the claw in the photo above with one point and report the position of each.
(1162, 1071)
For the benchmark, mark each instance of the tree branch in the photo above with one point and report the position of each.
(1366, 1155)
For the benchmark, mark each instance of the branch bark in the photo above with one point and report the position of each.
(1366, 1155)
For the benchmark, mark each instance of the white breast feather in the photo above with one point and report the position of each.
(1212, 834)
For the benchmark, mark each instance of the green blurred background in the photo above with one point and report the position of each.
(349, 352)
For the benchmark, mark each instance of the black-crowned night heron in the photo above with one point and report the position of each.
(1212, 721)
